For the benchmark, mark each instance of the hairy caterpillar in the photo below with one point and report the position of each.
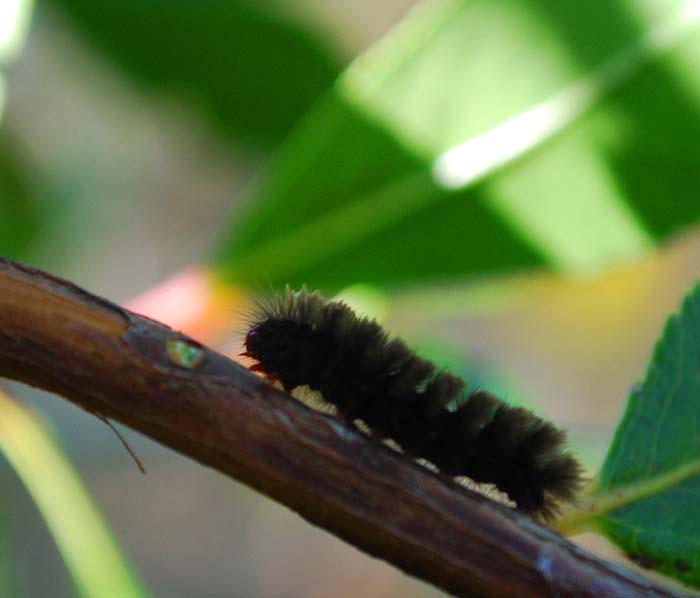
(301, 339)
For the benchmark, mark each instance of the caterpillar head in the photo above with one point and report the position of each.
(281, 348)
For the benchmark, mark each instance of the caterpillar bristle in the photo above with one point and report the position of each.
(301, 339)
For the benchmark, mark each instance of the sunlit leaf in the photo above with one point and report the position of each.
(479, 137)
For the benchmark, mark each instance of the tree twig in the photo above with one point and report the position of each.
(123, 366)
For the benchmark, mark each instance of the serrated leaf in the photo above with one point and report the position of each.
(246, 67)
(650, 481)
(479, 137)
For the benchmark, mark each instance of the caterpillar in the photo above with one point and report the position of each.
(301, 339)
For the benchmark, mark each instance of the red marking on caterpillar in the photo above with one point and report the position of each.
(301, 339)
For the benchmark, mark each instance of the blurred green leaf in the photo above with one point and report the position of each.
(647, 497)
(347, 203)
(19, 218)
(18, 215)
(85, 542)
(479, 137)
(253, 72)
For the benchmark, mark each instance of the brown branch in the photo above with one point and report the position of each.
(115, 363)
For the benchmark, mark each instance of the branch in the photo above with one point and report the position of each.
(117, 364)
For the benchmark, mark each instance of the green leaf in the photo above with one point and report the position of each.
(252, 72)
(85, 542)
(479, 137)
(18, 211)
(648, 496)
(353, 205)
(19, 214)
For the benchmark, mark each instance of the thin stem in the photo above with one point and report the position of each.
(586, 518)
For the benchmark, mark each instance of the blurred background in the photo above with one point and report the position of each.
(511, 186)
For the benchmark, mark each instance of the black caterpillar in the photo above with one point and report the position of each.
(299, 338)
